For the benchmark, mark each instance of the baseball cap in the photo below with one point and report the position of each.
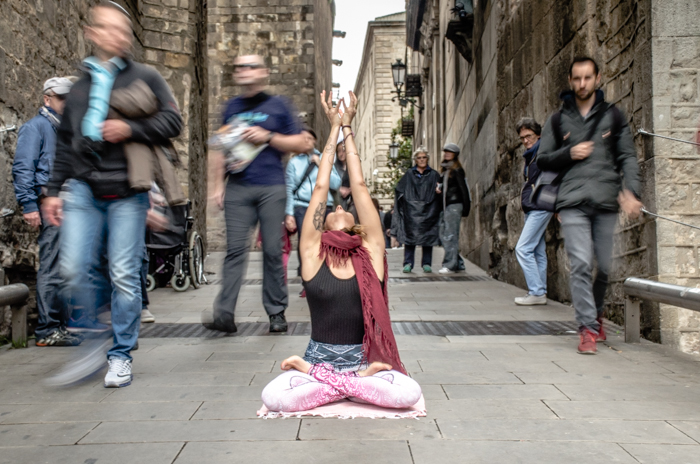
(451, 147)
(58, 85)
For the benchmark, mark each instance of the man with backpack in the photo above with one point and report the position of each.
(589, 143)
(300, 180)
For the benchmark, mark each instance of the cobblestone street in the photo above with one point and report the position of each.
(490, 398)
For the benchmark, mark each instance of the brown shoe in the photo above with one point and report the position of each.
(587, 345)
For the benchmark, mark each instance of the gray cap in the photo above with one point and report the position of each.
(58, 85)
(451, 147)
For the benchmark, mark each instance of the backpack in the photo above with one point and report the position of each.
(546, 189)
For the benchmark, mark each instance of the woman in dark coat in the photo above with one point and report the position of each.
(456, 204)
(417, 209)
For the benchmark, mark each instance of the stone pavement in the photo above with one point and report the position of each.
(490, 398)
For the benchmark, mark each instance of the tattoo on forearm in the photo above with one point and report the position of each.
(318, 216)
(330, 148)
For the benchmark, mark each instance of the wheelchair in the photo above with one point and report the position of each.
(176, 255)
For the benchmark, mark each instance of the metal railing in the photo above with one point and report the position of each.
(641, 289)
(15, 296)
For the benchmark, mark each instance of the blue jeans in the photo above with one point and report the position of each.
(90, 225)
(450, 220)
(531, 251)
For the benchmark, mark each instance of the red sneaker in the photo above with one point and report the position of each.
(587, 345)
(302, 294)
(601, 332)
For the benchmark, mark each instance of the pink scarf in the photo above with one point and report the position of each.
(378, 343)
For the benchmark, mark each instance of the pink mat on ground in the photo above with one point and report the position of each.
(346, 409)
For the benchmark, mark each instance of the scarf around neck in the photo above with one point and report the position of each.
(378, 343)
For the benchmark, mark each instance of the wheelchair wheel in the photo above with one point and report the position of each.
(196, 252)
(151, 283)
(180, 283)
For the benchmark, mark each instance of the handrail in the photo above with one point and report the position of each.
(651, 134)
(13, 294)
(636, 289)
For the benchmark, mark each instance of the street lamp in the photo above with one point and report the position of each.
(398, 71)
(394, 150)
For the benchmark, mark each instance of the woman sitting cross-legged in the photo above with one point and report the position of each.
(352, 352)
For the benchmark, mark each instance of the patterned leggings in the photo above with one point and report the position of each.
(295, 391)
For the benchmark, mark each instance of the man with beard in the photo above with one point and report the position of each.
(590, 144)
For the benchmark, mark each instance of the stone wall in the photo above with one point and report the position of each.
(295, 36)
(43, 38)
(675, 63)
(377, 115)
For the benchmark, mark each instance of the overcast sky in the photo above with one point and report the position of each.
(352, 17)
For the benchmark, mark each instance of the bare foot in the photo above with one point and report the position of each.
(374, 368)
(295, 362)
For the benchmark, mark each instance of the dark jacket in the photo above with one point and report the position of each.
(454, 190)
(417, 208)
(530, 173)
(594, 181)
(103, 166)
(34, 158)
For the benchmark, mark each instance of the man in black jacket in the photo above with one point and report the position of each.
(592, 145)
(98, 209)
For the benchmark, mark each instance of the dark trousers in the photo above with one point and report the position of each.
(53, 313)
(244, 206)
(409, 255)
(299, 213)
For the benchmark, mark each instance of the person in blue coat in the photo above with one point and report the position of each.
(300, 179)
(31, 170)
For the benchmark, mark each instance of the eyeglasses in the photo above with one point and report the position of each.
(527, 137)
(242, 66)
(421, 157)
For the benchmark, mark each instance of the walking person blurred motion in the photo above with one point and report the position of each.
(589, 143)
(300, 178)
(252, 190)
(31, 170)
(531, 249)
(417, 206)
(456, 204)
(99, 209)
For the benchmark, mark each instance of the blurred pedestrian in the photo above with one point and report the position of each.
(386, 224)
(255, 193)
(31, 170)
(589, 143)
(100, 209)
(456, 204)
(416, 219)
(531, 249)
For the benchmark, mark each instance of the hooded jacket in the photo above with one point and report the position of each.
(417, 208)
(296, 168)
(597, 180)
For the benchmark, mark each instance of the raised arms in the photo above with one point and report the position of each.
(366, 212)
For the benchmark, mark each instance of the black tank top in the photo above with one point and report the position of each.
(336, 308)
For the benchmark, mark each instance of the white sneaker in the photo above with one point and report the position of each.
(531, 300)
(119, 374)
(445, 270)
(147, 316)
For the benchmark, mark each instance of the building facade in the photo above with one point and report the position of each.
(512, 61)
(377, 115)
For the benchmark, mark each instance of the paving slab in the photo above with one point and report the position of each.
(487, 392)
(691, 429)
(627, 410)
(138, 392)
(368, 429)
(504, 409)
(612, 431)
(44, 434)
(652, 454)
(104, 412)
(298, 452)
(189, 431)
(233, 409)
(151, 453)
(507, 452)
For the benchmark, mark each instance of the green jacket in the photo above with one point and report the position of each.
(597, 180)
